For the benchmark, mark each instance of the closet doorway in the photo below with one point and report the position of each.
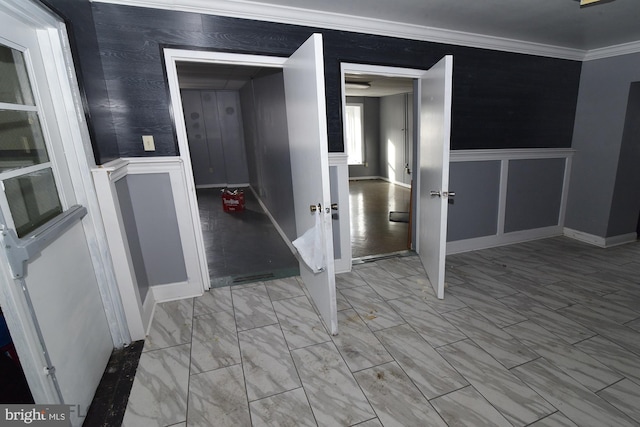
(236, 148)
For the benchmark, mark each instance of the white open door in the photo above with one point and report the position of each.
(49, 281)
(307, 121)
(436, 87)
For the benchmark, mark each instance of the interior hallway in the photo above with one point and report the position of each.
(244, 246)
(545, 333)
(371, 231)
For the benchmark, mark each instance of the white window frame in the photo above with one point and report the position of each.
(349, 147)
(36, 108)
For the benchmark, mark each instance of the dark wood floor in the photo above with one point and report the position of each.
(242, 247)
(371, 231)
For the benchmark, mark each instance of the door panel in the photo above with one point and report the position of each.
(60, 279)
(435, 130)
(64, 291)
(307, 122)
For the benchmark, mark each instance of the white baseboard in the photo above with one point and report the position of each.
(382, 178)
(486, 242)
(275, 223)
(148, 309)
(174, 291)
(602, 242)
(363, 178)
(342, 265)
(241, 185)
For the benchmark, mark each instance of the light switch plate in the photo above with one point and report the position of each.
(147, 141)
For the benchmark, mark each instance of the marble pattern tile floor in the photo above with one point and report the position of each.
(519, 340)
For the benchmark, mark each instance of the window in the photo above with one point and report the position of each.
(354, 136)
(26, 175)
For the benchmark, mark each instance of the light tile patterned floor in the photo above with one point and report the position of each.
(544, 333)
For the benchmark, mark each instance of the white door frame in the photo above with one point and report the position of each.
(385, 71)
(69, 116)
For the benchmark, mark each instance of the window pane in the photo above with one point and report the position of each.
(14, 81)
(21, 140)
(33, 200)
(354, 141)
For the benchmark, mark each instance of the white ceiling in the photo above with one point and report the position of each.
(552, 22)
(559, 28)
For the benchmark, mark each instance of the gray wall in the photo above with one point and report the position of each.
(597, 139)
(625, 207)
(371, 137)
(216, 140)
(133, 240)
(473, 212)
(396, 119)
(534, 194)
(150, 219)
(267, 146)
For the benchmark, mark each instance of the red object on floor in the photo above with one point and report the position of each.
(232, 200)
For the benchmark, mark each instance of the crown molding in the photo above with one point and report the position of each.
(611, 51)
(297, 16)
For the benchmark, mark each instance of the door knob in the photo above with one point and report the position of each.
(434, 193)
(334, 206)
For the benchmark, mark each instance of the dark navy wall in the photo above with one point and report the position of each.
(78, 16)
(501, 100)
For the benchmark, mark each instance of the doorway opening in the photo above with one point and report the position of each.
(380, 143)
(237, 137)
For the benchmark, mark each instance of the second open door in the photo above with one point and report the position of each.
(436, 87)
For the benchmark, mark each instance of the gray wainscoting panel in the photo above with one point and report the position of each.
(157, 227)
(534, 194)
(474, 211)
(133, 240)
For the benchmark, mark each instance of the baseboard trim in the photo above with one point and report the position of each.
(364, 178)
(487, 242)
(221, 186)
(274, 222)
(602, 242)
(148, 309)
(382, 178)
(174, 291)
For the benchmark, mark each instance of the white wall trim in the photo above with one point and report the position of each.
(224, 185)
(138, 313)
(189, 229)
(341, 162)
(104, 178)
(486, 242)
(364, 178)
(602, 242)
(382, 178)
(611, 51)
(174, 291)
(504, 157)
(315, 18)
(510, 154)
